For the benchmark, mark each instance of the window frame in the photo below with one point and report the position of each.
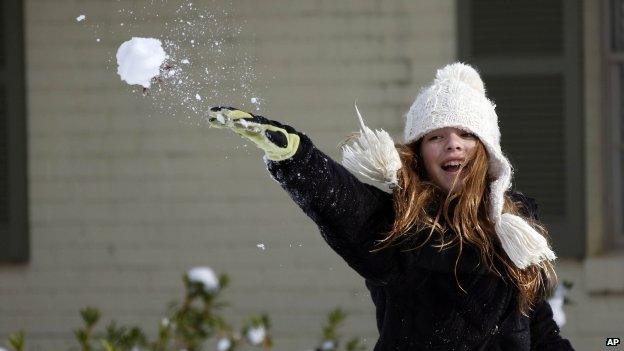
(613, 147)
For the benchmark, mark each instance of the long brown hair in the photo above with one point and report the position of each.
(465, 212)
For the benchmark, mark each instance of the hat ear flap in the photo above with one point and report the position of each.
(523, 244)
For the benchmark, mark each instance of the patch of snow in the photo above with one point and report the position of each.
(139, 60)
(328, 345)
(224, 344)
(556, 304)
(206, 276)
(256, 335)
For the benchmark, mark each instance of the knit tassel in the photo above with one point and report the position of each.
(521, 242)
(372, 155)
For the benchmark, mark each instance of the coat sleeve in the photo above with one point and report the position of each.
(350, 214)
(545, 332)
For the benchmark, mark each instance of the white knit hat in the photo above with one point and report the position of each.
(456, 98)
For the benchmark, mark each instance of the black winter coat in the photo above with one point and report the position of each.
(418, 303)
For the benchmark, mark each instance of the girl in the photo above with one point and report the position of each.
(453, 259)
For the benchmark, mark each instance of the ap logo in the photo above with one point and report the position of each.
(613, 341)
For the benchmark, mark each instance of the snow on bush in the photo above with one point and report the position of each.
(256, 335)
(206, 277)
(328, 345)
(224, 344)
(139, 60)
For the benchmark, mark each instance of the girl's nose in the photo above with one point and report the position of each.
(454, 142)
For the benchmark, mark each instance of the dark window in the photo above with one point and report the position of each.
(516, 28)
(529, 55)
(14, 245)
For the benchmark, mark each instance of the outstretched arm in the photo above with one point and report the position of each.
(351, 215)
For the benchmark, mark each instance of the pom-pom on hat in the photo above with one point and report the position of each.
(456, 98)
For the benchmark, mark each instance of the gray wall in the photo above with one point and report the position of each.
(125, 197)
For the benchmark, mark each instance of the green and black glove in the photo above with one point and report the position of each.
(278, 141)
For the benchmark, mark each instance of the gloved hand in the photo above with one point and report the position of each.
(278, 141)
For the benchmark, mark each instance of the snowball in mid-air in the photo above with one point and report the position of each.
(205, 276)
(139, 60)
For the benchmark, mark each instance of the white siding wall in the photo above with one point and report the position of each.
(124, 198)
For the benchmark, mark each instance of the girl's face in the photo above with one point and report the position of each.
(443, 151)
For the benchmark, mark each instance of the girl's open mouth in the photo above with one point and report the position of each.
(451, 168)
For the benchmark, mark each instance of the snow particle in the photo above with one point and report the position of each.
(261, 246)
(185, 61)
(197, 97)
(254, 100)
(80, 18)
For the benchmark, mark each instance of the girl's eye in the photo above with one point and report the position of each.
(434, 137)
(469, 135)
